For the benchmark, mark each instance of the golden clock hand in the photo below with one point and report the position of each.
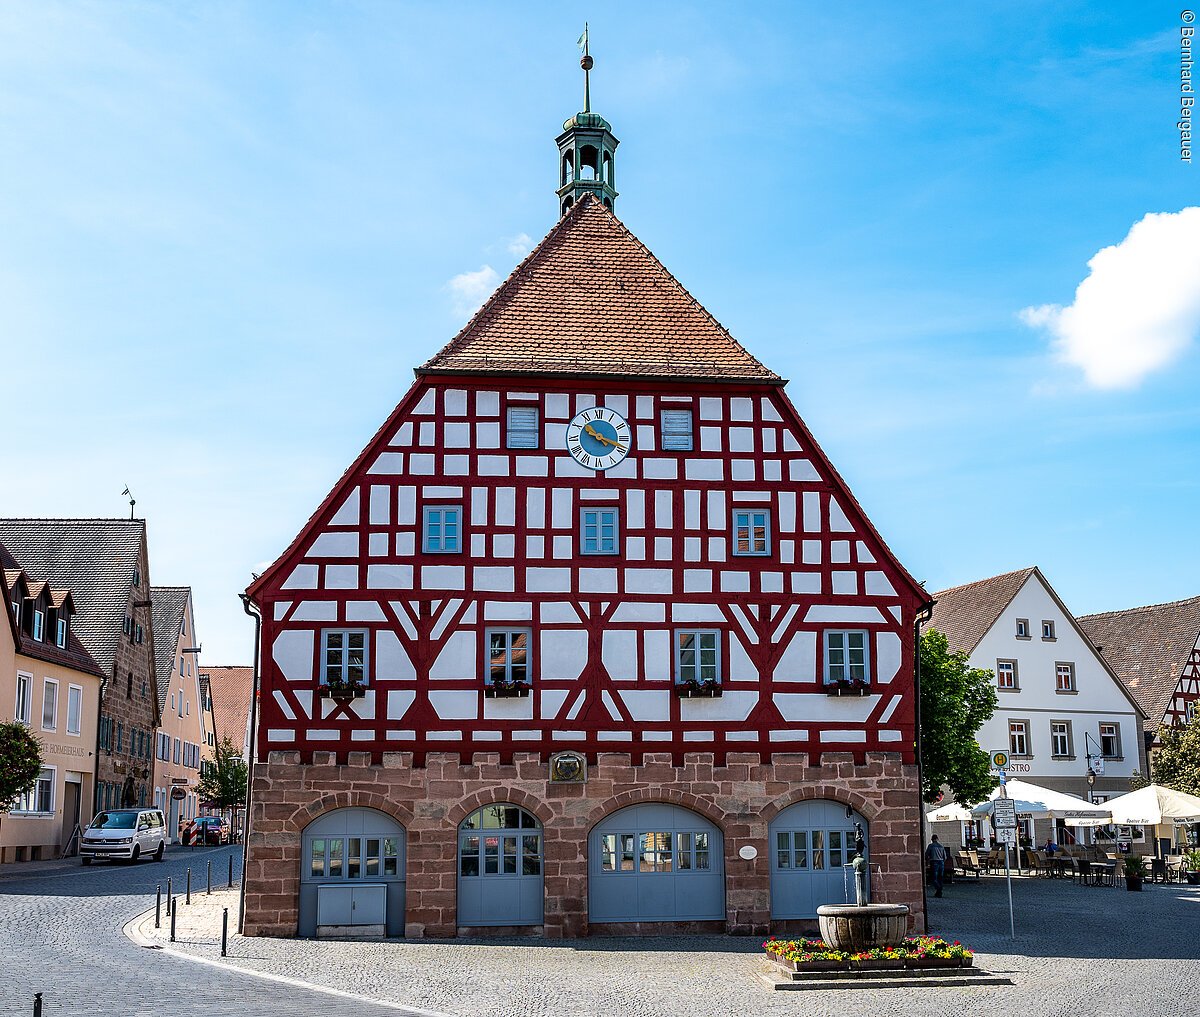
(598, 436)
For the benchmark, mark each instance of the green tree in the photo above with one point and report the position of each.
(956, 701)
(223, 782)
(1176, 764)
(20, 762)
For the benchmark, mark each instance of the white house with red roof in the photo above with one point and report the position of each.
(591, 636)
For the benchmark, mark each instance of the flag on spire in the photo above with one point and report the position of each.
(583, 39)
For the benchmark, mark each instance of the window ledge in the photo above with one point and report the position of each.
(1005, 688)
(1024, 638)
(699, 690)
(1068, 758)
(514, 690)
(1066, 692)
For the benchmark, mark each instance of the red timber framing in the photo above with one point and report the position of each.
(1185, 700)
(601, 628)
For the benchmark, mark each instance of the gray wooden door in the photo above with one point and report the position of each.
(655, 863)
(500, 868)
(811, 844)
(352, 872)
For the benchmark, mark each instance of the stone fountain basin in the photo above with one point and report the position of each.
(854, 927)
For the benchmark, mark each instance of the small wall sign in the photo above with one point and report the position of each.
(568, 768)
(748, 851)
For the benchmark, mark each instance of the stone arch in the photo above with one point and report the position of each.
(663, 795)
(499, 796)
(350, 799)
(829, 792)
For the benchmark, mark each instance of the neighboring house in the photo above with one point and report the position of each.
(181, 737)
(1156, 650)
(49, 682)
(231, 689)
(574, 626)
(1062, 710)
(104, 563)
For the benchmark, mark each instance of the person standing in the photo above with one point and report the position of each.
(936, 856)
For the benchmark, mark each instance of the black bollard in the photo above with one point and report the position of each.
(174, 908)
(189, 886)
(231, 870)
(210, 877)
(37, 1004)
(168, 893)
(158, 908)
(224, 931)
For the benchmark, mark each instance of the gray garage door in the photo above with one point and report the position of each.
(811, 846)
(500, 867)
(352, 874)
(655, 863)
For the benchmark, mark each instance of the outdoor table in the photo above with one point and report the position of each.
(1058, 867)
(1104, 873)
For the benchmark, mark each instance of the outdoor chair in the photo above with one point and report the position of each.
(967, 866)
(1037, 865)
(973, 855)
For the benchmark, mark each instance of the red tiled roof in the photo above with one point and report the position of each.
(231, 688)
(592, 300)
(1148, 647)
(963, 614)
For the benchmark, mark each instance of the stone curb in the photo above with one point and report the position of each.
(133, 932)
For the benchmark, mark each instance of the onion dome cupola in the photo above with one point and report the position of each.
(587, 149)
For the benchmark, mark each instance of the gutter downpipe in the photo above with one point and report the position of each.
(247, 606)
(924, 614)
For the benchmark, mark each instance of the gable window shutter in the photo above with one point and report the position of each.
(677, 430)
(523, 427)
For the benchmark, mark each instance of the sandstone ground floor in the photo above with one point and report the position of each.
(452, 849)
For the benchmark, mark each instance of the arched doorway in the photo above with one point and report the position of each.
(811, 846)
(352, 875)
(500, 867)
(656, 863)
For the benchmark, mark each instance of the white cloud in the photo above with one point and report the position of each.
(520, 245)
(469, 289)
(1139, 308)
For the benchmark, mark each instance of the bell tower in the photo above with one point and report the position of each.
(587, 149)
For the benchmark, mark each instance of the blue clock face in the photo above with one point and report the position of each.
(598, 438)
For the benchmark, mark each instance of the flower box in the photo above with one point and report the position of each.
(506, 690)
(854, 688)
(355, 691)
(698, 690)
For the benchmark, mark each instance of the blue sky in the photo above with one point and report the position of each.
(230, 230)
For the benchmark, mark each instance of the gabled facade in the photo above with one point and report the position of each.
(105, 565)
(230, 690)
(181, 738)
(48, 682)
(1062, 710)
(1156, 651)
(592, 630)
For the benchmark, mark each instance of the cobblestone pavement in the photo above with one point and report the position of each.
(60, 934)
(1079, 951)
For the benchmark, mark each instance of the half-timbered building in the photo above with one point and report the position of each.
(591, 636)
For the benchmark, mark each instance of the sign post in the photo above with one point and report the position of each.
(1004, 818)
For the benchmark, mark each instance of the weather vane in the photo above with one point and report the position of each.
(586, 62)
(132, 500)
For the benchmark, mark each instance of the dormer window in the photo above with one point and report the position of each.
(39, 621)
(16, 606)
(60, 634)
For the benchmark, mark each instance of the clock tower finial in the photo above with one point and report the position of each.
(586, 148)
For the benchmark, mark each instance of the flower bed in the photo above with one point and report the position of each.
(914, 952)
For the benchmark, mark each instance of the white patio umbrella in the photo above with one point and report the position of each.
(1154, 805)
(951, 812)
(1043, 803)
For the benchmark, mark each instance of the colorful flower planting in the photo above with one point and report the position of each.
(914, 952)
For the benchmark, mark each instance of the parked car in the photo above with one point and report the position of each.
(128, 834)
(207, 830)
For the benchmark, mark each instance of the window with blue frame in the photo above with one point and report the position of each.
(508, 657)
(697, 657)
(751, 531)
(846, 656)
(443, 529)
(599, 534)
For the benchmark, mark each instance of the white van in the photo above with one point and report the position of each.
(129, 834)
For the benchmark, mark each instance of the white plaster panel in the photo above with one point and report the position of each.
(493, 466)
(455, 705)
(716, 548)
(644, 406)
(535, 547)
(770, 440)
(891, 707)
(597, 580)
(456, 402)
(564, 653)
(493, 577)
(812, 512)
(284, 706)
(281, 608)
(863, 553)
(364, 708)
(535, 508)
(558, 406)
(292, 652)
(506, 506)
(456, 466)
(565, 466)
(735, 582)
(387, 463)
(504, 545)
(551, 702)
(635, 612)
(845, 583)
(664, 548)
(741, 439)
(503, 610)
(704, 469)
(364, 611)
(341, 577)
(732, 706)
(556, 612)
(316, 610)
(695, 613)
(428, 403)
(478, 545)
(443, 577)
(380, 505)
(691, 548)
(806, 582)
(391, 662)
(802, 470)
(646, 438)
(697, 580)
(839, 552)
(561, 507)
(487, 434)
(691, 510)
(548, 580)
(787, 552)
(657, 659)
(406, 506)
(741, 667)
(645, 705)
(635, 510)
(635, 548)
(887, 657)
(660, 469)
(610, 705)
(335, 545)
(711, 409)
(837, 518)
(479, 506)
(812, 707)
(710, 439)
(279, 734)
(847, 613)
(457, 658)
(508, 709)
(771, 582)
(798, 663)
(618, 403)
(404, 435)
(768, 410)
(742, 470)
(790, 444)
(347, 515)
(304, 699)
(741, 408)
(532, 466)
(662, 510)
(843, 736)
(421, 465)
(303, 577)
(487, 404)
(716, 510)
(458, 435)
(878, 585)
(556, 436)
(649, 581)
(787, 512)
